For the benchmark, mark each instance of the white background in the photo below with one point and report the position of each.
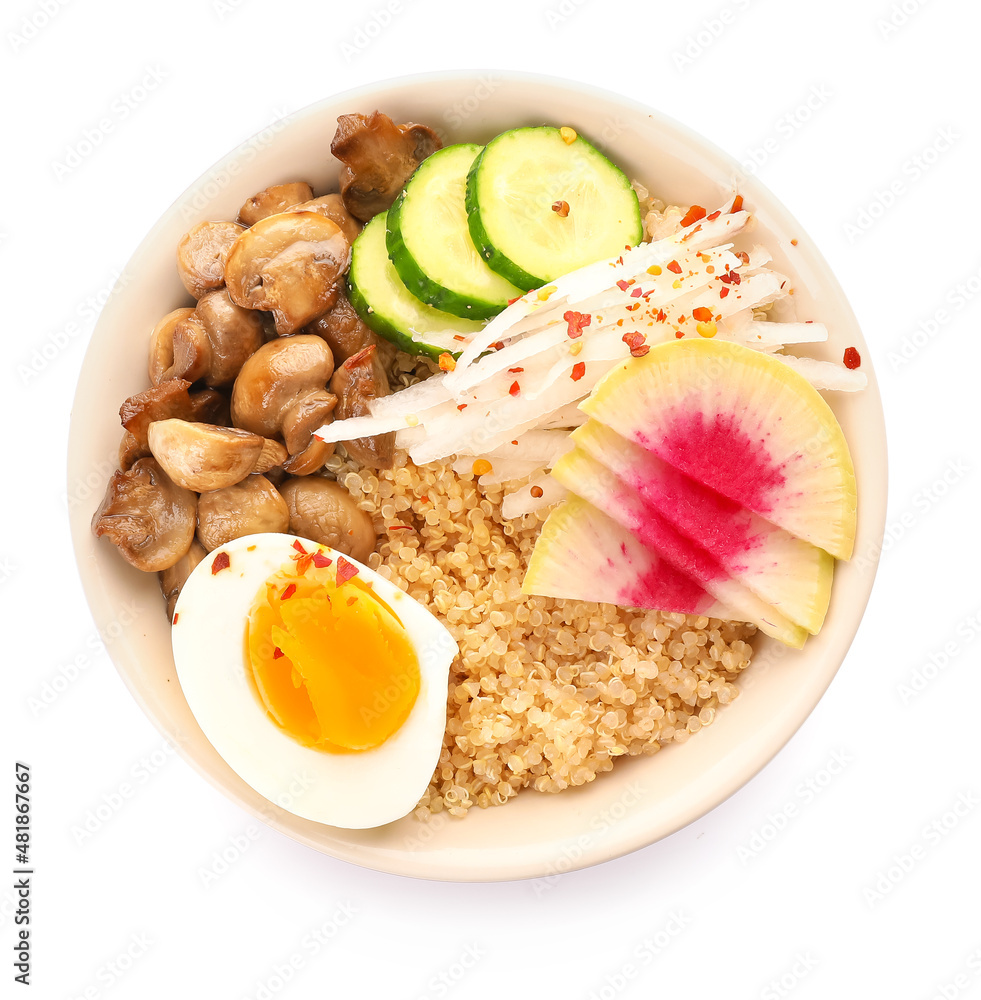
(871, 886)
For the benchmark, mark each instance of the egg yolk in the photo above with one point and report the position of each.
(332, 664)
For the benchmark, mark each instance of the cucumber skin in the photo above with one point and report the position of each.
(496, 261)
(391, 333)
(419, 283)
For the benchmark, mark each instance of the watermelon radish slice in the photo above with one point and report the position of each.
(582, 555)
(745, 425)
(584, 476)
(788, 573)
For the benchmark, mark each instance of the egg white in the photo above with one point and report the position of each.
(353, 790)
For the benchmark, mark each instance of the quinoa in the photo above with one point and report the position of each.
(545, 693)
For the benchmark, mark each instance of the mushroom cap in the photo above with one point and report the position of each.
(173, 578)
(289, 264)
(171, 399)
(234, 333)
(273, 200)
(356, 383)
(324, 511)
(278, 375)
(201, 255)
(332, 206)
(161, 357)
(147, 516)
(203, 457)
(253, 505)
(378, 157)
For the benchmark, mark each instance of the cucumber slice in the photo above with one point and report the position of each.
(391, 310)
(512, 187)
(429, 241)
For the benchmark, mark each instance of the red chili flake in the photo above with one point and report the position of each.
(702, 313)
(578, 370)
(317, 437)
(537, 492)
(682, 319)
(515, 389)
(351, 600)
(636, 343)
(690, 234)
(623, 285)
(457, 336)
(636, 305)
(462, 406)
(577, 322)
(221, 561)
(742, 255)
(695, 213)
(730, 278)
(498, 345)
(675, 267)
(321, 561)
(714, 215)
(637, 292)
(345, 570)
(793, 243)
(737, 204)
(177, 615)
(298, 545)
(661, 316)
(723, 292)
(514, 442)
(303, 564)
(516, 371)
(511, 302)
(400, 527)
(561, 209)
(679, 334)
(424, 499)
(852, 358)
(288, 592)
(277, 653)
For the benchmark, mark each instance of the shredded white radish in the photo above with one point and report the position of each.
(826, 374)
(513, 395)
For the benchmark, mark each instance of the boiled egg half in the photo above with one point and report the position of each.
(307, 670)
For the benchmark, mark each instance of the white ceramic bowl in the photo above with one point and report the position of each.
(642, 799)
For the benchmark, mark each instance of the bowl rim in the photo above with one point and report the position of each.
(464, 871)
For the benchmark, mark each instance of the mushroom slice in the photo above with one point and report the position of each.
(216, 340)
(162, 345)
(171, 399)
(304, 417)
(272, 456)
(347, 333)
(356, 383)
(276, 378)
(273, 200)
(201, 255)
(332, 206)
(310, 460)
(147, 516)
(324, 511)
(290, 265)
(204, 457)
(378, 157)
(172, 579)
(130, 450)
(252, 505)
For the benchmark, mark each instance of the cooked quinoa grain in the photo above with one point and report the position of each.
(545, 692)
